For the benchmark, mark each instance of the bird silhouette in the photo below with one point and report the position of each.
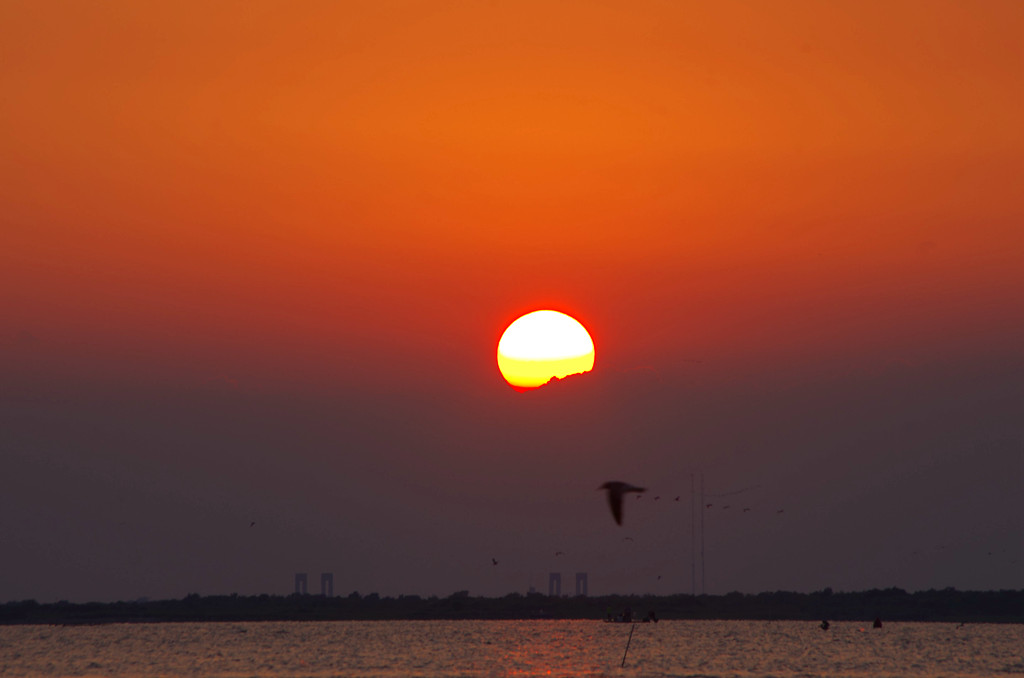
(627, 539)
(559, 553)
(615, 490)
(657, 498)
(708, 505)
(494, 561)
(745, 509)
(252, 524)
(677, 498)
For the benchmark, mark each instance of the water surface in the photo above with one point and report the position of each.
(512, 648)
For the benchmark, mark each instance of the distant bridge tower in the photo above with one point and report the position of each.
(581, 583)
(300, 583)
(327, 584)
(555, 584)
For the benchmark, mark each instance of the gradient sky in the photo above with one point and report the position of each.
(255, 259)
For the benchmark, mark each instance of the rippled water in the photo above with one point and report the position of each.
(512, 648)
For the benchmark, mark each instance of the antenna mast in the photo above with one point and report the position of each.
(693, 539)
(702, 589)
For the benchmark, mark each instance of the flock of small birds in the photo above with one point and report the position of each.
(616, 491)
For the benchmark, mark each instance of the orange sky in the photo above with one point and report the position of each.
(362, 195)
(335, 173)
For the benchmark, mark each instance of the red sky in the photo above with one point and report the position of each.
(336, 203)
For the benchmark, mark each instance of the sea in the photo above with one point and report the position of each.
(711, 649)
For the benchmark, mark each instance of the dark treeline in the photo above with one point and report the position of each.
(948, 605)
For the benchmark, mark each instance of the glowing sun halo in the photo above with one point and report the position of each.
(542, 345)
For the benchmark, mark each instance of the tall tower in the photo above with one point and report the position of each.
(555, 584)
(327, 584)
(300, 583)
(581, 583)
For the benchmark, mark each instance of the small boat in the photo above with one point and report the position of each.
(624, 619)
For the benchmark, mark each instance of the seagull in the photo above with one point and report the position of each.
(615, 491)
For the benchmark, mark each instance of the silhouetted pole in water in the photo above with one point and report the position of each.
(623, 664)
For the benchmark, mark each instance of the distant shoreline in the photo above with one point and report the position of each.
(889, 605)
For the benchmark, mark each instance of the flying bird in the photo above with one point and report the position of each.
(494, 561)
(747, 508)
(252, 524)
(708, 505)
(677, 497)
(559, 553)
(615, 490)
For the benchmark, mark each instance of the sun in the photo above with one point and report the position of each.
(542, 345)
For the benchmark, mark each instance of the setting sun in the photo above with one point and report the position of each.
(542, 345)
